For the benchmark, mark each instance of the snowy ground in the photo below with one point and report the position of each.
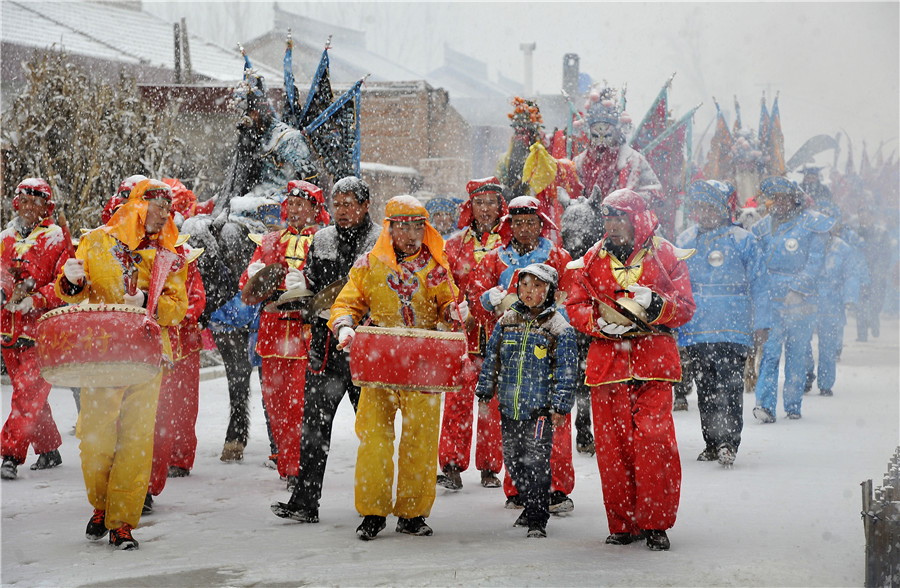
(786, 515)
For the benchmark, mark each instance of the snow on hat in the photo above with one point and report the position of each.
(773, 185)
(541, 271)
(440, 204)
(489, 185)
(722, 195)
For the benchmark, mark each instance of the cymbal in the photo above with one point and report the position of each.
(263, 284)
(294, 299)
(321, 302)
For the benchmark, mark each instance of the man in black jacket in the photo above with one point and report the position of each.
(330, 257)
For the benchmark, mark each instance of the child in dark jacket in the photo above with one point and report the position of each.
(530, 363)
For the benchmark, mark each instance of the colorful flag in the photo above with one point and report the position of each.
(851, 171)
(320, 96)
(718, 160)
(737, 114)
(334, 134)
(865, 168)
(654, 121)
(666, 153)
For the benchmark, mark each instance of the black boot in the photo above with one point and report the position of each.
(370, 527)
(48, 460)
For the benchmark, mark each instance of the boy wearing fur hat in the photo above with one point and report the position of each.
(404, 281)
(530, 366)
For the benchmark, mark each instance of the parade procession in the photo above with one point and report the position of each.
(601, 280)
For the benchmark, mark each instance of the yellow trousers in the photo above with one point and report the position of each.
(417, 452)
(115, 427)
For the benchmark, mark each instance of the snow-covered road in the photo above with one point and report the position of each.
(787, 514)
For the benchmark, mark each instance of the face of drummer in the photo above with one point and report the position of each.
(407, 236)
(301, 212)
(157, 214)
(347, 211)
(533, 291)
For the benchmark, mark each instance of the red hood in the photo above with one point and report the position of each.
(642, 218)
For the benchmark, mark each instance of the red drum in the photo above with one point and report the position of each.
(407, 359)
(98, 345)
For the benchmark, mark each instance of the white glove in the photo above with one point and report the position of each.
(612, 328)
(642, 294)
(345, 338)
(135, 299)
(294, 280)
(254, 268)
(24, 305)
(74, 271)
(460, 312)
(496, 296)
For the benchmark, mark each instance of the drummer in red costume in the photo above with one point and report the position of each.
(403, 282)
(479, 220)
(631, 377)
(32, 250)
(283, 339)
(525, 232)
(115, 425)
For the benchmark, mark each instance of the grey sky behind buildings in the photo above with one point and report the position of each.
(835, 66)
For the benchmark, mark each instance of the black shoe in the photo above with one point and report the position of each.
(794, 416)
(414, 526)
(370, 527)
(177, 472)
(537, 530)
(810, 378)
(584, 443)
(9, 469)
(763, 414)
(726, 455)
(450, 479)
(148, 505)
(48, 460)
(680, 403)
(826, 392)
(122, 538)
(522, 521)
(295, 513)
(96, 527)
(559, 502)
(623, 538)
(708, 454)
(514, 502)
(489, 479)
(657, 540)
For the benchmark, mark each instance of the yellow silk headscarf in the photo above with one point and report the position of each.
(127, 223)
(407, 208)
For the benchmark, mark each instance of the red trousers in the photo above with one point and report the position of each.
(30, 421)
(562, 471)
(456, 430)
(283, 381)
(640, 471)
(176, 416)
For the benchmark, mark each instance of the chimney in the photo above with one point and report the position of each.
(528, 49)
(570, 74)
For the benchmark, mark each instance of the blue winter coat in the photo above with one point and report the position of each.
(728, 279)
(533, 362)
(840, 280)
(794, 254)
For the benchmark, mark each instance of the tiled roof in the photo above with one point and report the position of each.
(116, 34)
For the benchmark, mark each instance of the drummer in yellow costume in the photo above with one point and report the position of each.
(115, 425)
(403, 282)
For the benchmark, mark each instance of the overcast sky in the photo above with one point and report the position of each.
(836, 65)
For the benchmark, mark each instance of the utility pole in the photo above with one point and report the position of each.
(528, 50)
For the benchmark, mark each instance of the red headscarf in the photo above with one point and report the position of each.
(312, 193)
(642, 218)
(532, 205)
(479, 187)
